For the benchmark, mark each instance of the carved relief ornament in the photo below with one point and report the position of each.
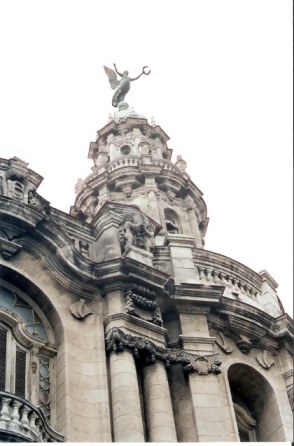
(80, 310)
(117, 341)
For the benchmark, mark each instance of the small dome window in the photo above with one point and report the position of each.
(125, 150)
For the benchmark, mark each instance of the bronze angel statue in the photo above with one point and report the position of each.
(123, 84)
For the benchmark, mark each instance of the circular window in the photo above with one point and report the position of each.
(125, 150)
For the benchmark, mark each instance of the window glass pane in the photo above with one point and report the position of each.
(24, 310)
(7, 298)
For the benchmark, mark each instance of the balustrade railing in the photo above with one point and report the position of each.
(221, 270)
(123, 162)
(24, 421)
(218, 277)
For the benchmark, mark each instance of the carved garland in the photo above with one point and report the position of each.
(134, 298)
(117, 341)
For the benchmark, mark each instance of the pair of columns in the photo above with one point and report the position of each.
(126, 405)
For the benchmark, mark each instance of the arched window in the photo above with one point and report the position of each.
(256, 409)
(26, 349)
(171, 221)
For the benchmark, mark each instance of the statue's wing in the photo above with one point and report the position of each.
(111, 77)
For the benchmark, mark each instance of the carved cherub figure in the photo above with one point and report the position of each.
(128, 232)
(149, 237)
(122, 85)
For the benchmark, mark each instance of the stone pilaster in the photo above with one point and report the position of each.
(153, 209)
(125, 399)
(159, 412)
(208, 407)
(115, 301)
(204, 385)
(181, 256)
(194, 229)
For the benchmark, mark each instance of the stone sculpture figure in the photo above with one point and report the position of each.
(244, 419)
(136, 234)
(130, 233)
(122, 85)
(149, 237)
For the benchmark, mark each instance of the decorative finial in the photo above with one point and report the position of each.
(122, 85)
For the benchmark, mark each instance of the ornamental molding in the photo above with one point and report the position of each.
(116, 341)
(8, 248)
(223, 344)
(80, 310)
(141, 298)
(265, 359)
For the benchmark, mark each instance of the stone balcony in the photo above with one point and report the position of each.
(21, 421)
(241, 282)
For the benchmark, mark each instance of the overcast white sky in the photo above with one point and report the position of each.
(220, 87)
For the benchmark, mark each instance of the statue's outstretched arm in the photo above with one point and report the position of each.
(120, 74)
(144, 71)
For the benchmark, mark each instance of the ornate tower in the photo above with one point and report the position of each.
(130, 330)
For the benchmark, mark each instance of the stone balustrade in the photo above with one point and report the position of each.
(166, 165)
(218, 277)
(131, 161)
(221, 270)
(21, 420)
(123, 162)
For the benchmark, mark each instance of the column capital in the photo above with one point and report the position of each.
(116, 341)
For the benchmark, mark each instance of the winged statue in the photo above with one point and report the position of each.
(122, 85)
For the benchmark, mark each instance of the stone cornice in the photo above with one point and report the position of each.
(136, 322)
(196, 340)
(268, 278)
(196, 293)
(18, 213)
(240, 319)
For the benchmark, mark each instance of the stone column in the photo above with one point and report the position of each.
(125, 398)
(159, 412)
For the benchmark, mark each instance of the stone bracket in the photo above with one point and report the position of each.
(8, 249)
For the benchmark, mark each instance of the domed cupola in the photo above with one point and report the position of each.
(132, 165)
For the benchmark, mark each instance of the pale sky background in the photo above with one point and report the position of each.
(220, 87)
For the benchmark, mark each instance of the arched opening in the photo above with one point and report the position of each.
(256, 409)
(172, 221)
(30, 332)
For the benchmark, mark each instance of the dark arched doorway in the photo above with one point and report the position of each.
(256, 409)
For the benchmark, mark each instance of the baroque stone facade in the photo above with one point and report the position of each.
(116, 324)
